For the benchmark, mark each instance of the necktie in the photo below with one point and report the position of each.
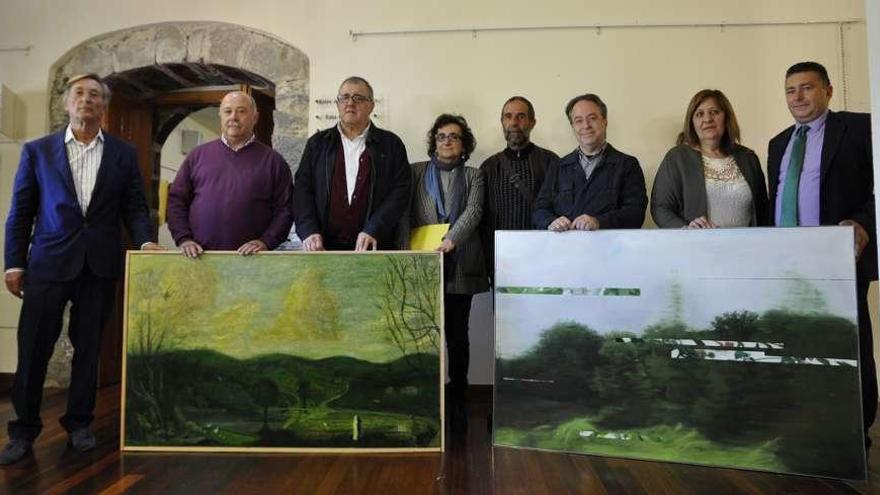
(789, 215)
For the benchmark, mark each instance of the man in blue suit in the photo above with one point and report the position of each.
(72, 191)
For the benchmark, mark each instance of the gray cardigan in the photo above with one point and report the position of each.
(679, 192)
(465, 269)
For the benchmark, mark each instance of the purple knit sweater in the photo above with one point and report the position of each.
(222, 198)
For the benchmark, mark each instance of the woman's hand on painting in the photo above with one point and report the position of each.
(701, 223)
(446, 246)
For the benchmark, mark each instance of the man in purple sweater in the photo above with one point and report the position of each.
(233, 193)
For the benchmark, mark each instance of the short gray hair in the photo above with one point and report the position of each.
(358, 80)
(105, 90)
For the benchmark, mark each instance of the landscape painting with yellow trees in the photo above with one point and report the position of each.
(283, 351)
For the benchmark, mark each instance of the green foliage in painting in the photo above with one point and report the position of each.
(670, 391)
(566, 354)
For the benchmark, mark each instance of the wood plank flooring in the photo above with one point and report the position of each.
(470, 466)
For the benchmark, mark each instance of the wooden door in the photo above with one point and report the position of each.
(131, 120)
(266, 122)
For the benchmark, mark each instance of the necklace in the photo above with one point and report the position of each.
(721, 169)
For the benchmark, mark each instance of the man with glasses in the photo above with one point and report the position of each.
(595, 186)
(353, 181)
(513, 175)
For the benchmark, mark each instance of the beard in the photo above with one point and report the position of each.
(516, 138)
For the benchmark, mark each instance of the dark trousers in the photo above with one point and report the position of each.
(39, 327)
(868, 368)
(457, 313)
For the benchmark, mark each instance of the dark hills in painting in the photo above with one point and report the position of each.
(205, 398)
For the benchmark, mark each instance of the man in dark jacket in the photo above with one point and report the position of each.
(513, 175)
(595, 186)
(834, 185)
(353, 182)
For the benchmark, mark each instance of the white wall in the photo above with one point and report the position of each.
(9, 305)
(172, 158)
(645, 75)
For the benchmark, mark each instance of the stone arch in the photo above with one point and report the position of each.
(208, 48)
(148, 60)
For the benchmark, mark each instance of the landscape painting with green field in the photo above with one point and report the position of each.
(283, 351)
(734, 348)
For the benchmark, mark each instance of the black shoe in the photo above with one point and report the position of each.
(82, 440)
(16, 450)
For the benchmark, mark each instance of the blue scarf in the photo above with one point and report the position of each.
(435, 191)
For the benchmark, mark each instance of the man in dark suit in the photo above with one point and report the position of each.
(595, 186)
(72, 191)
(832, 183)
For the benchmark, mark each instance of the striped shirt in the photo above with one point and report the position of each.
(85, 160)
(512, 212)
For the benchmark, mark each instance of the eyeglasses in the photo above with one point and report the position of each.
(447, 137)
(356, 99)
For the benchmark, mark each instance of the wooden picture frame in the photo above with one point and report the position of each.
(283, 352)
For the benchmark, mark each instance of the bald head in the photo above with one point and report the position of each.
(238, 95)
(238, 116)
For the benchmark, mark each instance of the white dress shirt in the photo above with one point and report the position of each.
(84, 160)
(352, 150)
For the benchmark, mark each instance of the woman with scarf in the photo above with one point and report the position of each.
(445, 191)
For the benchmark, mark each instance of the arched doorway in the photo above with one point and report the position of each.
(158, 58)
(157, 73)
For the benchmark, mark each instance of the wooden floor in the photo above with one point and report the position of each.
(470, 466)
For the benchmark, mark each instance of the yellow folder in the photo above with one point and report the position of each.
(427, 237)
(163, 200)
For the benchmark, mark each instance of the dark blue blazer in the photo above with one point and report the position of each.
(846, 180)
(46, 232)
(615, 194)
